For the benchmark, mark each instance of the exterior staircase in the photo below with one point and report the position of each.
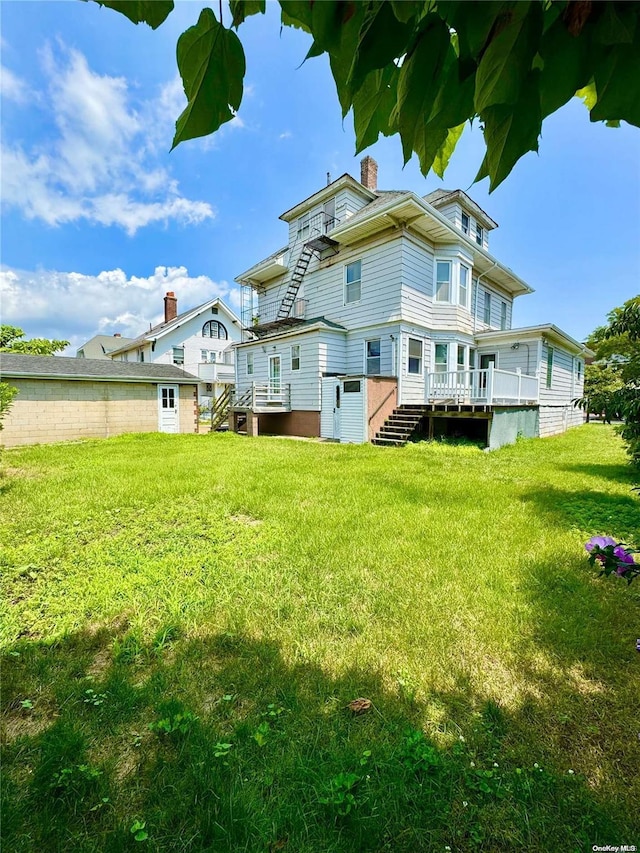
(399, 426)
(220, 408)
(302, 264)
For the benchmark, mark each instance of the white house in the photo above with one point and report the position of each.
(386, 316)
(199, 341)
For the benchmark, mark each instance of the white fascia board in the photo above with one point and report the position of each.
(457, 235)
(547, 330)
(150, 380)
(345, 180)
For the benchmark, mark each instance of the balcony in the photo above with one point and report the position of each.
(271, 397)
(490, 387)
(265, 321)
(216, 372)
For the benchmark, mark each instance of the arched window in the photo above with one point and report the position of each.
(214, 329)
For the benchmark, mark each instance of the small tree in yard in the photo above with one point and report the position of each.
(612, 384)
(7, 393)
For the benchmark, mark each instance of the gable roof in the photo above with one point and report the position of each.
(440, 197)
(345, 180)
(546, 330)
(106, 343)
(161, 329)
(100, 369)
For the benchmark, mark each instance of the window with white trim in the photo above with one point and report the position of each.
(178, 355)
(549, 366)
(487, 308)
(295, 357)
(503, 315)
(479, 234)
(352, 282)
(249, 364)
(463, 289)
(372, 358)
(460, 363)
(465, 223)
(443, 281)
(415, 356)
(440, 362)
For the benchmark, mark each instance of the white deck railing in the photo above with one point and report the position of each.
(272, 395)
(482, 387)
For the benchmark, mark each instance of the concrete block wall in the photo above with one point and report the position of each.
(48, 410)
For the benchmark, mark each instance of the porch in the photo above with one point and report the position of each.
(267, 398)
(487, 387)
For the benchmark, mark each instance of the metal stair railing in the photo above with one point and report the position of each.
(302, 265)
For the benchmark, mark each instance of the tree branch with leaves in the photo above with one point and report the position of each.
(423, 69)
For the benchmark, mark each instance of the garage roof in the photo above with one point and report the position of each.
(100, 369)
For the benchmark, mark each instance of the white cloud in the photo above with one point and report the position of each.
(101, 163)
(73, 306)
(12, 87)
(285, 135)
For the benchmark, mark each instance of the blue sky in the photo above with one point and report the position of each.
(99, 219)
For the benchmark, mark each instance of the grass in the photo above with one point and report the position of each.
(186, 619)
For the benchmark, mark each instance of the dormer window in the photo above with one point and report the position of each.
(214, 329)
(479, 234)
(465, 223)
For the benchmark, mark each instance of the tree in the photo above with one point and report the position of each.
(424, 68)
(617, 348)
(7, 393)
(11, 340)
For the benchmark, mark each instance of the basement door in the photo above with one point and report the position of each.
(168, 408)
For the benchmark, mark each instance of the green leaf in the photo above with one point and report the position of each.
(373, 105)
(617, 81)
(617, 23)
(418, 88)
(565, 67)
(242, 9)
(341, 56)
(441, 160)
(588, 94)
(382, 38)
(508, 58)
(406, 10)
(296, 13)
(152, 12)
(473, 23)
(212, 66)
(510, 131)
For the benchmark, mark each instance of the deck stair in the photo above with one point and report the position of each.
(401, 424)
(220, 408)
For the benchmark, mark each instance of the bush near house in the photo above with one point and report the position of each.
(187, 621)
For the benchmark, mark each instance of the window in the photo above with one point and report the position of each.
(80, 353)
(443, 281)
(440, 361)
(503, 315)
(329, 215)
(415, 356)
(549, 366)
(351, 386)
(353, 281)
(372, 349)
(249, 364)
(214, 329)
(578, 369)
(168, 398)
(208, 357)
(472, 359)
(487, 308)
(465, 223)
(303, 226)
(178, 355)
(479, 234)
(463, 290)
(461, 357)
(295, 357)
(140, 355)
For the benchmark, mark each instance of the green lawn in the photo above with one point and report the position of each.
(186, 618)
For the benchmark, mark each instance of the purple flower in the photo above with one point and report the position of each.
(599, 542)
(622, 554)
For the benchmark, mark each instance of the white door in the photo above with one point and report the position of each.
(330, 411)
(168, 408)
(275, 386)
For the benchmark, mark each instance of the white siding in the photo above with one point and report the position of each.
(352, 415)
(497, 297)
(557, 411)
(412, 385)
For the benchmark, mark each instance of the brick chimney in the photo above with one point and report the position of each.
(369, 173)
(170, 306)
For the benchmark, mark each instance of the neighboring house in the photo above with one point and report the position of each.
(100, 346)
(386, 316)
(199, 341)
(60, 399)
